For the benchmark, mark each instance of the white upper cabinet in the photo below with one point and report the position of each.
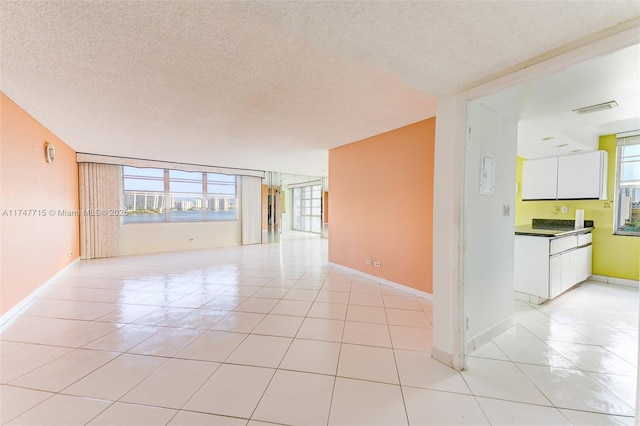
(540, 179)
(571, 177)
(583, 176)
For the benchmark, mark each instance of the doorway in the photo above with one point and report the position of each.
(463, 320)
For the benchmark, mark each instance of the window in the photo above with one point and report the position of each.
(160, 195)
(307, 208)
(627, 216)
(185, 196)
(221, 197)
(144, 195)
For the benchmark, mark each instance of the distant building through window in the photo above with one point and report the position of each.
(163, 195)
(628, 184)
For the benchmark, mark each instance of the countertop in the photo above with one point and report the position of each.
(555, 232)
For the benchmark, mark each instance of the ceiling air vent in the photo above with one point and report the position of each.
(596, 108)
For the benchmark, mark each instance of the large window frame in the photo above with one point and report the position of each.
(627, 185)
(158, 195)
(307, 208)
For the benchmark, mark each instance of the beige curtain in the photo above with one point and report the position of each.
(251, 209)
(100, 188)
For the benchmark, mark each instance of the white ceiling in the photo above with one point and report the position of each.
(547, 125)
(259, 84)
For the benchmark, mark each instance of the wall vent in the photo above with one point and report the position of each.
(596, 108)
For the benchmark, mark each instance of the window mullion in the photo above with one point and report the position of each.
(205, 197)
(167, 195)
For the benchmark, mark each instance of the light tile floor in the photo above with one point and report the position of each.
(271, 334)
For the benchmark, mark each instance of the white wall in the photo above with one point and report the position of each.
(488, 231)
(143, 238)
(447, 190)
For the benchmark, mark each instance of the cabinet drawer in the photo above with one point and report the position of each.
(584, 239)
(562, 244)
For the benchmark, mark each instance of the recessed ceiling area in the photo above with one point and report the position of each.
(548, 124)
(271, 85)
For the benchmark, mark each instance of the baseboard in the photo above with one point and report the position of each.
(442, 356)
(489, 334)
(528, 298)
(615, 281)
(406, 289)
(35, 293)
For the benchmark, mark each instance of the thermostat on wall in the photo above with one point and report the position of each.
(49, 152)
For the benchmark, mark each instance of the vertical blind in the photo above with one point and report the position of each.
(251, 211)
(99, 205)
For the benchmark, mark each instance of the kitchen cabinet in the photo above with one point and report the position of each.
(545, 267)
(540, 179)
(583, 176)
(570, 177)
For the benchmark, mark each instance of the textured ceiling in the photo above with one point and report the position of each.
(263, 85)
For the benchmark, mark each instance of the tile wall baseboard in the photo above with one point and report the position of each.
(616, 281)
(406, 289)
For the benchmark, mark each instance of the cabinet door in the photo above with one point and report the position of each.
(555, 276)
(531, 265)
(582, 263)
(568, 270)
(540, 179)
(581, 176)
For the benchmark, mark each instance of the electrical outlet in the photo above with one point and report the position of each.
(565, 209)
(70, 254)
(368, 261)
(377, 264)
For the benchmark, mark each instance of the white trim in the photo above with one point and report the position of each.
(633, 134)
(406, 289)
(528, 298)
(489, 334)
(592, 46)
(301, 184)
(600, 278)
(615, 281)
(442, 356)
(82, 157)
(35, 293)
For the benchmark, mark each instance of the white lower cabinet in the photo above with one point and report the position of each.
(582, 263)
(555, 278)
(546, 267)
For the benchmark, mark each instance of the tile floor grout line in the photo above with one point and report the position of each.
(277, 368)
(397, 369)
(335, 377)
(201, 331)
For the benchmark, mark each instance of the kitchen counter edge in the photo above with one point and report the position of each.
(550, 233)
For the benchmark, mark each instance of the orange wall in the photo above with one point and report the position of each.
(34, 248)
(382, 205)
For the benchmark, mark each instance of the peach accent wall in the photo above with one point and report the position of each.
(35, 247)
(382, 205)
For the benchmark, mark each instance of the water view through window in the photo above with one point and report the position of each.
(159, 195)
